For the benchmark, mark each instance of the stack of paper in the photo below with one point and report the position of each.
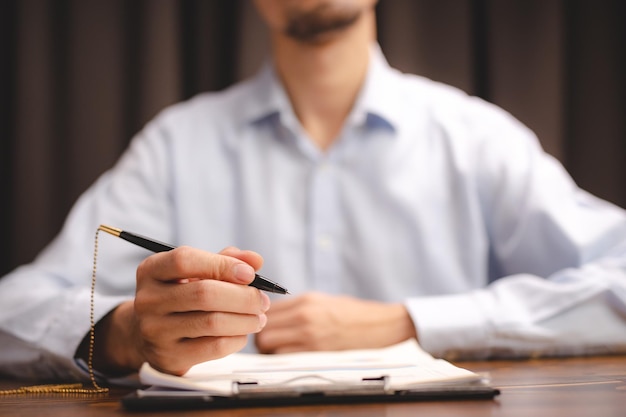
(403, 369)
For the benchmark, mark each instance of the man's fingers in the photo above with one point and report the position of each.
(204, 295)
(289, 303)
(197, 324)
(190, 263)
(284, 305)
(185, 353)
(270, 341)
(249, 257)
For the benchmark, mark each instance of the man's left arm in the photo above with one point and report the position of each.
(317, 321)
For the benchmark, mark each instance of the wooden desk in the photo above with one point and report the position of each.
(585, 387)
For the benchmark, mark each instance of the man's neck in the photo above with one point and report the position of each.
(323, 80)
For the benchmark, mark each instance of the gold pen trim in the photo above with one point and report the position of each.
(112, 230)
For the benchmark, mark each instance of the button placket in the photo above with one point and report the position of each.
(323, 232)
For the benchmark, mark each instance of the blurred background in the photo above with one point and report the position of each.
(78, 78)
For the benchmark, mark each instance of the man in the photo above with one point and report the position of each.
(390, 206)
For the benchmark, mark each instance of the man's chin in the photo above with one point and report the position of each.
(321, 25)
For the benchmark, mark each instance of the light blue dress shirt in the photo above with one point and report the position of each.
(428, 196)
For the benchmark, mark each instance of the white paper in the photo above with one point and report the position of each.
(404, 365)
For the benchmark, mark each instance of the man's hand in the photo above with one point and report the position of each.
(316, 321)
(190, 306)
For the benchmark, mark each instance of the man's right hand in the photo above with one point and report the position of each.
(190, 306)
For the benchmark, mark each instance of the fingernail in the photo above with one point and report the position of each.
(266, 301)
(262, 321)
(243, 273)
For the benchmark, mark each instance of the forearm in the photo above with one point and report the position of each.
(388, 324)
(576, 312)
(318, 321)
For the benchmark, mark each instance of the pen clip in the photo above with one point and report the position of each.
(311, 384)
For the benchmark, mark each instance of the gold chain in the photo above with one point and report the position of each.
(92, 324)
(75, 388)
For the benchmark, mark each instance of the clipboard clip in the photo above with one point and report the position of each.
(311, 386)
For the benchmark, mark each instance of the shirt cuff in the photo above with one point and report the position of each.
(130, 380)
(450, 326)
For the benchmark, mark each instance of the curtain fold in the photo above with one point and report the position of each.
(79, 78)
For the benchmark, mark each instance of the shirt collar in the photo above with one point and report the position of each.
(378, 100)
(267, 96)
(376, 105)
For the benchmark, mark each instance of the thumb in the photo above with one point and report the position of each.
(190, 263)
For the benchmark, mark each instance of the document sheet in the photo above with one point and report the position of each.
(404, 366)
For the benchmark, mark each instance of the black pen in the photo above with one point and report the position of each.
(259, 281)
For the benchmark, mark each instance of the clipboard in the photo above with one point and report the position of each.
(399, 373)
(251, 395)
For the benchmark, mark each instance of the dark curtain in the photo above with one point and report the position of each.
(78, 78)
